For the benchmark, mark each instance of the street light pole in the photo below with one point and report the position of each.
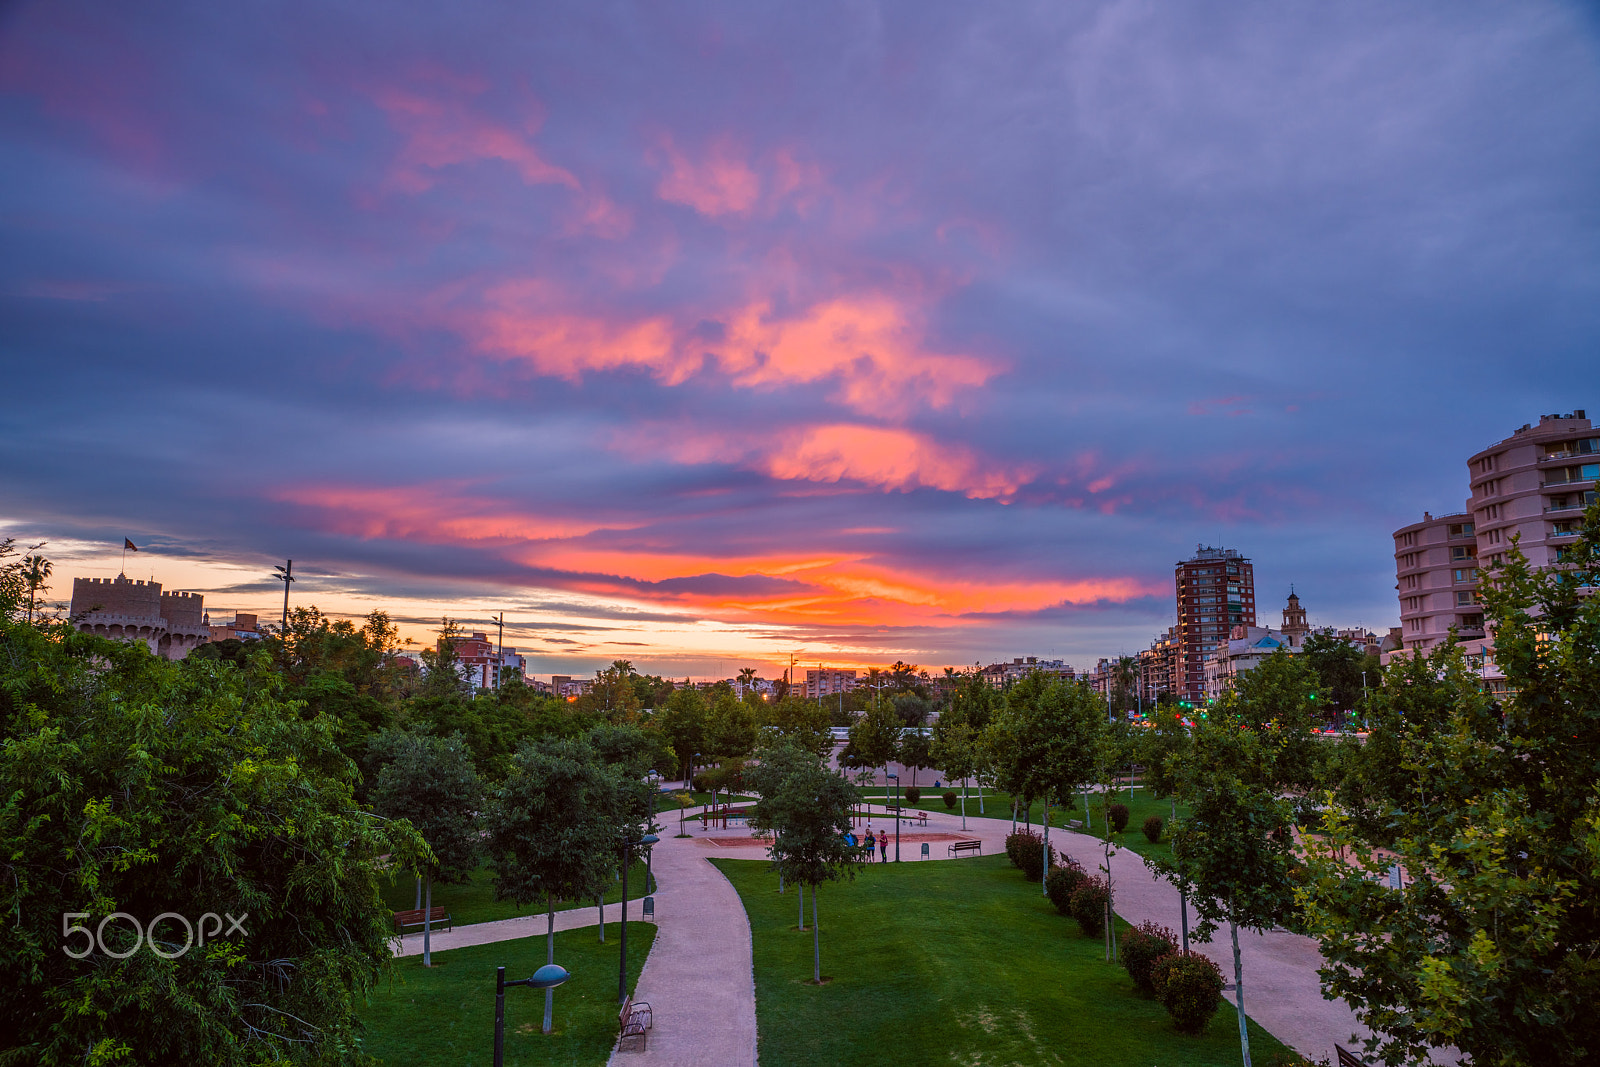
(627, 857)
(500, 661)
(896, 780)
(285, 575)
(546, 978)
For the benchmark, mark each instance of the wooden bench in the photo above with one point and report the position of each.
(965, 846)
(1347, 1058)
(634, 1020)
(421, 917)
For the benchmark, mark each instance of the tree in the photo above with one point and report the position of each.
(802, 722)
(915, 752)
(555, 827)
(806, 808)
(1232, 853)
(613, 696)
(730, 727)
(1276, 701)
(36, 572)
(874, 738)
(1492, 945)
(186, 791)
(1052, 729)
(432, 783)
(682, 724)
(1337, 665)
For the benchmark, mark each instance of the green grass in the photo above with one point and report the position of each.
(420, 1016)
(957, 962)
(474, 902)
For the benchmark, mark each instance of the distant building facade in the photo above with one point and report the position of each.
(170, 624)
(1001, 675)
(244, 627)
(481, 666)
(826, 681)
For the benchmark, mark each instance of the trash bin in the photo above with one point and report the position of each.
(649, 907)
(924, 850)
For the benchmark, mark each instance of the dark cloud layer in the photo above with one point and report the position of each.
(877, 329)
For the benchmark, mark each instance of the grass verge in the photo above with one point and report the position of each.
(445, 1014)
(959, 962)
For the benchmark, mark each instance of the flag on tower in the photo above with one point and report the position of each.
(127, 544)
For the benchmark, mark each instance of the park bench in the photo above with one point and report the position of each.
(633, 1021)
(965, 846)
(421, 917)
(1347, 1058)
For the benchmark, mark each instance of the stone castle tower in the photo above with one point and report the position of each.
(170, 624)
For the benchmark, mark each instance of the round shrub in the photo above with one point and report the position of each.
(1118, 814)
(1189, 986)
(1153, 827)
(913, 794)
(1142, 946)
(1062, 880)
(1088, 905)
(1016, 841)
(949, 798)
(1030, 857)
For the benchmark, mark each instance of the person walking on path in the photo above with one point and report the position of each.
(872, 843)
(883, 847)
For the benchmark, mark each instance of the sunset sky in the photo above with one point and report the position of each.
(697, 334)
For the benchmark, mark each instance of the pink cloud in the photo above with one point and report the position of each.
(886, 458)
(870, 344)
(719, 184)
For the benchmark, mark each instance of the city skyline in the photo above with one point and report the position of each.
(715, 334)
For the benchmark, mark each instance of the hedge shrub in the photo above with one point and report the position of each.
(1189, 986)
(1030, 857)
(1118, 814)
(1142, 946)
(1153, 827)
(1088, 904)
(949, 798)
(913, 794)
(1062, 880)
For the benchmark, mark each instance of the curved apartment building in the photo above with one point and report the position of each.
(1535, 485)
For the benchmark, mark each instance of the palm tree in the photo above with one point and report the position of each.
(36, 573)
(747, 679)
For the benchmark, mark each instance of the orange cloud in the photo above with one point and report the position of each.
(870, 344)
(433, 513)
(818, 587)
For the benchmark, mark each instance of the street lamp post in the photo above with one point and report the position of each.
(895, 778)
(285, 575)
(627, 857)
(546, 978)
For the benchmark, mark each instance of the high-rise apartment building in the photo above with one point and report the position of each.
(1216, 590)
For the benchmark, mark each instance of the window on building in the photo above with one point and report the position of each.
(1461, 552)
(1471, 622)
(1465, 597)
(1464, 574)
(1460, 529)
(1492, 511)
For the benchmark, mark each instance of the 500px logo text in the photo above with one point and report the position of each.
(147, 934)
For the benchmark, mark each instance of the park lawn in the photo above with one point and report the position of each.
(418, 1017)
(957, 961)
(474, 902)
